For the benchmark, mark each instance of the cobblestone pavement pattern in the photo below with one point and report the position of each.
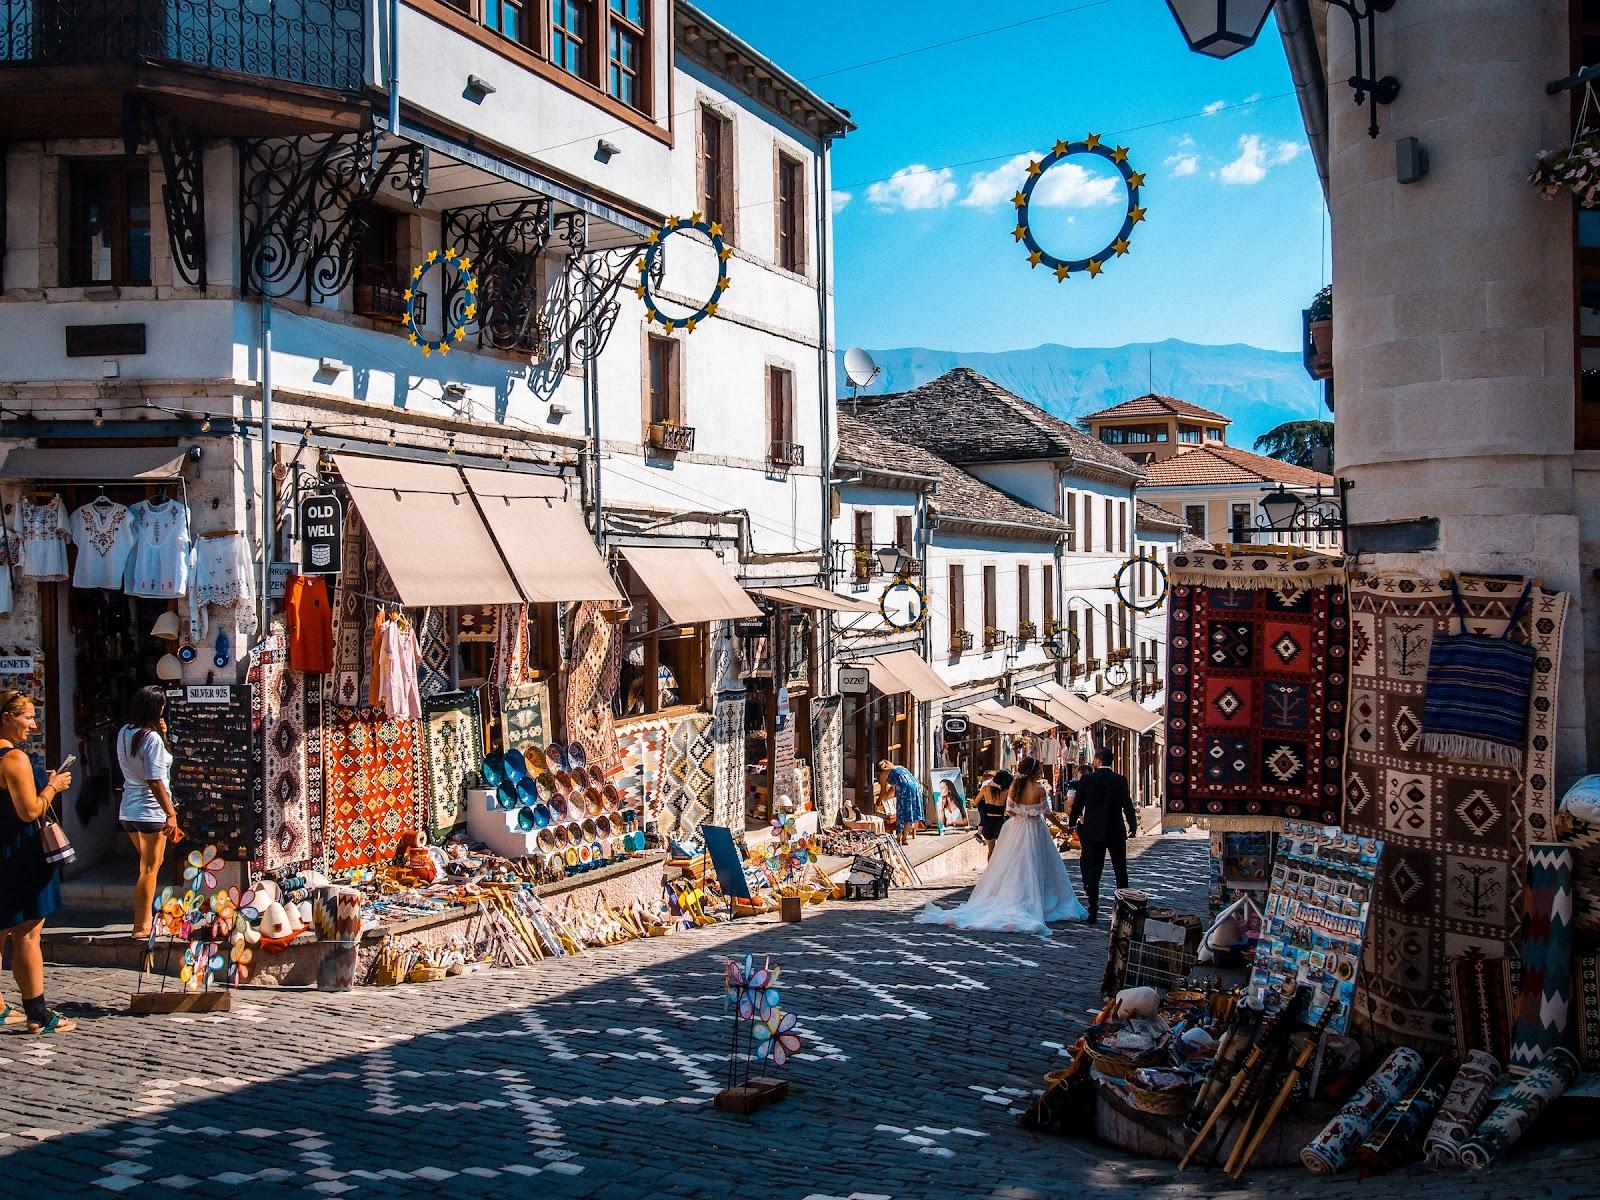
(592, 1077)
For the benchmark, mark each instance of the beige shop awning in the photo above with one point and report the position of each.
(994, 716)
(108, 464)
(814, 597)
(428, 532)
(1031, 721)
(1072, 711)
(1059, 712)
(904, 671)
(542, 536)
(1125, 713)
(691, 586)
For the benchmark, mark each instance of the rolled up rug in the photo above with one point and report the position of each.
(1511, 1118)
(1463, 1107)
(1398, 1138)
(1326, 1153)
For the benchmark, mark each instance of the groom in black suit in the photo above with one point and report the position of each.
(1102, 810)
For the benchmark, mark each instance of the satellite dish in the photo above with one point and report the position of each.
(859, 368)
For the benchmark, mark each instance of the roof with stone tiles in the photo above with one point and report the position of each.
(1213, 464)
(1153, 516)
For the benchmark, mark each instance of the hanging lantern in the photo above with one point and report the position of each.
(1220, 28)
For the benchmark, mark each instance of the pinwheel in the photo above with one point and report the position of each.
(775, 1037)
(239, 954)
(225, 904)
(203, 869)
(752, 990)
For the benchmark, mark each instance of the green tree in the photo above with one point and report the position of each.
(1298, 442)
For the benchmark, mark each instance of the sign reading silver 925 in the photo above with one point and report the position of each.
(321, 535)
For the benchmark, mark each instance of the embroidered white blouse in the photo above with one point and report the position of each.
(158, 567)
(43, 533)
(103, 534)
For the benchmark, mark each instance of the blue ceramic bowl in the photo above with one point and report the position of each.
(541, 816)
(507, 796)
(527, 792)
(494, 770)
(526, 820)
(516, 766)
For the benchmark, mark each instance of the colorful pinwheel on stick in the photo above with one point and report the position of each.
(750, 990)
(203, 869)
(775, 1037)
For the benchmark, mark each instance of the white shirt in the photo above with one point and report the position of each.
(103, 534)
(42, 529)
(154, 761)
(158, 568)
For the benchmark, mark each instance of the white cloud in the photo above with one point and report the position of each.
(1256, 157)
(915, 186)
(840, 200)
(1252, 97)
(1214, 108)
(1065, 185)
(1183, 164)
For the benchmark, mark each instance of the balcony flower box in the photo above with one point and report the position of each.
(1318, 323)
(664, 435)
(992, 637)
(1026, 631)
(961, 641)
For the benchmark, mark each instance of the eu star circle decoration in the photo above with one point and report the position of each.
(1120, 585)
(908, 610)
(1063, 268)
(646, 289)
(453, 333)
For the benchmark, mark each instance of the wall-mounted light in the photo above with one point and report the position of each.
(606, 150)
(455, 391)
(1280, 508)
(480, 86)
(331, 366)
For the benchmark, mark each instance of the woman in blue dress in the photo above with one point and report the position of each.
(909, 800)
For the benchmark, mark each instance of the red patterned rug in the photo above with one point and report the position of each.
(375, 784)
(1258, 681)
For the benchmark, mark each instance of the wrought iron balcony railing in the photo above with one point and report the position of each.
(320, 43)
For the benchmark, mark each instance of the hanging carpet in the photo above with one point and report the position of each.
(640, 750)
(1258, 681)
(374, 772)
(1455, 831)
(454, 758)
(433, 652)
(525, 717)
(278, 719)
(592, 682)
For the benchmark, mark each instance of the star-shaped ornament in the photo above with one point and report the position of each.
(1120, 154)
(694, 217)
(1135, 180)
(427, 350)
(725, 254)
(433, 256)
(1034, 168)
(412, 338)
(689, 325)
(668, 326)
(472, 285)
(655, 236)
(716, 229)
(1094, 267)
(461, 332)
(416, 272)
(1062, 272)
(1035, 258)
(472, 311)
(406, 295)
(639, 291)
(1120, 246)
(711, 309)
(1020, 199)
(1059, 148)
(450, 254)
(1020, 232)
(1092, 141)
(443, 349)
(1136, 215)
(465, 264)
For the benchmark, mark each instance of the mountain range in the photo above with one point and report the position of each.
(1257, 388)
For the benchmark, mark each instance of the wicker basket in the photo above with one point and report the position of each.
(1117, 1065)
(1156, 1102)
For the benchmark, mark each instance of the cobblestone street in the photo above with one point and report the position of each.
(592, 1077)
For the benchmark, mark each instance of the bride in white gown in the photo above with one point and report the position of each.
(1025, 885)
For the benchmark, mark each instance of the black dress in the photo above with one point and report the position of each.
(990, 819)
(30, 888)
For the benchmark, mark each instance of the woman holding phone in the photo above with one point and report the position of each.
(147, 812)
(30, 888)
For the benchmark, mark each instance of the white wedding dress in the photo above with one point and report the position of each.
(1024, 888)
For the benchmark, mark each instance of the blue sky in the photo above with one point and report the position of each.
(1232, 246)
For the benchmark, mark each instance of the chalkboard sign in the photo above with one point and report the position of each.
(209, 733)
(321, 535)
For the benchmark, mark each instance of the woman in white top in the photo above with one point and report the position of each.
(146, 812)
(1026, 885)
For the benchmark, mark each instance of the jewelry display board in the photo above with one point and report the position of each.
(209, 734)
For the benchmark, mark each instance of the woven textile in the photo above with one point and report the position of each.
(454, 758)
(1584, 840)
(1256, 701)
(374, 777)
(1546, 959)
(1514, 1115)
(727, 734)
(316, 702)
(1354, 1123)
(1398, 1138)
(433, 652)
(1463, 1106)
(277, 700)
(525, 717)
(1478, 691)
(511, 645)
(589, 715)
(688, 775)
(827, 758)
(1455, 831)
(640, 745)
(1587, 969)
(1481, 998)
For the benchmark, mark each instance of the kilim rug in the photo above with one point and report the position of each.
(1481, 995)
(1257, 691)
(278, 712)
(1326, 1153)
(374, 772)
(1546, 958)
(511, 645)
(525, 717)
(1587, 990)
(1515, 1115)
(589, 715)
(1455, 833)
(827, 758)
(688, 775)
(351, 625)
(316, 698)
(728, 736)
(639, 752)
(454, 758)
(433, 652)
(1583, 838)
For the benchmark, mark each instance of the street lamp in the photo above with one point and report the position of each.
(1220, 28)
(1280, 508)
(891, 559)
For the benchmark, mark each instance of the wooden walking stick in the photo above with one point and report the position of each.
(1298, 1068)
(1233, 1097)
(1260, 1082)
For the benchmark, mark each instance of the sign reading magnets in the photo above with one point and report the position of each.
(468, 282)
(1063, 268)
(902, 604)
(647, 272)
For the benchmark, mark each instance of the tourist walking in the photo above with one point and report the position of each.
(30, 887)
(992, 807)
(1026, 885)
(146, 813)
(1102, 808)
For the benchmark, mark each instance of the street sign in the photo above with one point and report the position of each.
(955, 726)
(321, 535)
(854, 681)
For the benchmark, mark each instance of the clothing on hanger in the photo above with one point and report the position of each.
(159, 566)
(43, 532)
(309, 619)
(223, 575)
(402, 697)
(102, 531)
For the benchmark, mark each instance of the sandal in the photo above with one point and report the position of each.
(11, 1016)
(55, 1023)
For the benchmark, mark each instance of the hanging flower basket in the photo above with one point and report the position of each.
(1577, 167)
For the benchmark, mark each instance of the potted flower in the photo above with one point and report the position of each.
(1576, 167)
(992, 637)
(960, 641)
(1319, 334)
(1026, 630)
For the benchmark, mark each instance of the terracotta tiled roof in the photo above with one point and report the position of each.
(959, 496)
(1153, 405)
(1228, 464)
(1153, 516)
(965, 418)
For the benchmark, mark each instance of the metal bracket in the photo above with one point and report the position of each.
(302, 200)
(1369, 89)
(504, 240)
(183, 192)
(580, 306)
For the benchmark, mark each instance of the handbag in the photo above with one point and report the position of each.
(58, 851)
